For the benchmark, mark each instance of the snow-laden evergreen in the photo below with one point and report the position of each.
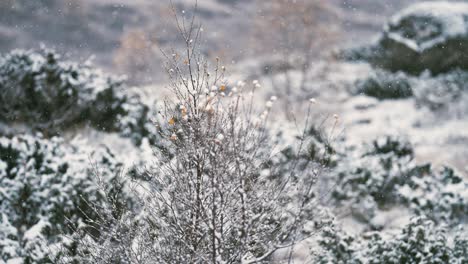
(46, 189)
(383, 175)
(44, 92)
(420, 241)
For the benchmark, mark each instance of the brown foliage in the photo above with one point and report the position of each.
(137, 53)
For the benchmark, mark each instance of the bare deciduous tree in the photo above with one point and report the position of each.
(137, 54)
(295, 33)
(215, 193)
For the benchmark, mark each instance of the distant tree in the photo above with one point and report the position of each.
(294, 33)
(137, 55)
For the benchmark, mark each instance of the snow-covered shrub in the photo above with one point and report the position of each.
(50, 94)
(424, 36)
(440, 196)
(368, 179)
(399, 147)
(46, 189)
(335, 246)
(211, 197)
(320, 147)
(384, 174)
(447, 91)
(460, 246)
(441, 91)
(137, 121)
(41, 89)
(421, 241)
(211, 200)
(385, 85)
(317, 148)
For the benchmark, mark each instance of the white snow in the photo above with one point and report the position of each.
(35, 231)
(426, 131)
(15, 261)
(451, 16)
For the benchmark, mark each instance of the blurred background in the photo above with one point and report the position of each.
(125, 36)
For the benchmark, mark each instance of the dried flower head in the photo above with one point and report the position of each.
(172, 121)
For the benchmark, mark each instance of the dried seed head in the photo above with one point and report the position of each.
(172, 121)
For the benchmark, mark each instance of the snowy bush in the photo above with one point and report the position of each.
(418, 242)
(212, 200)
(425, 36)
(385, 85)
(447, 91)
(41, 89)
(383, 175)
(46, 188)
(320, 147)
(50, 94)
(442, 91)
(440, 196)
(137, 121)
(369, 177)
(336, 246)
(316, 148)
